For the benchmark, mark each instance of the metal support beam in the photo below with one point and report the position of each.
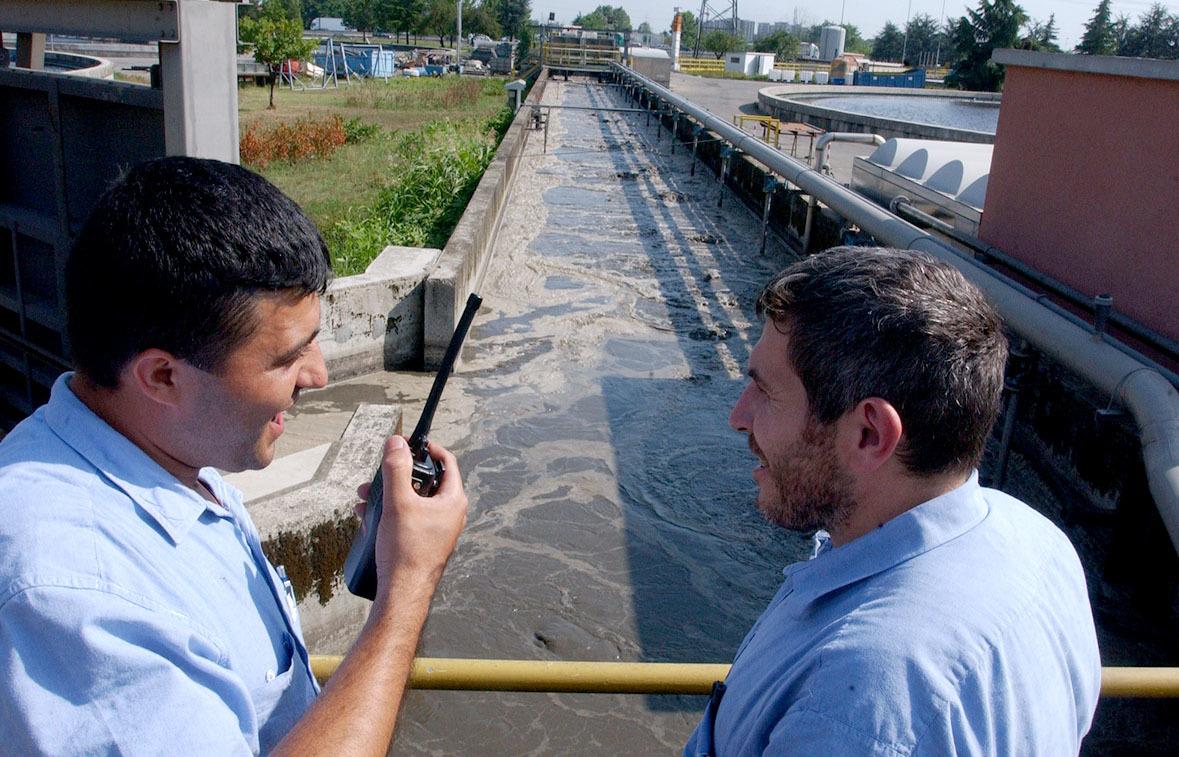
(695, 143)
(769, 187)
(126, 20)
(30, 50)
(726, 155)
(199, 73)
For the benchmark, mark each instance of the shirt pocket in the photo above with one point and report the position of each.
(278, 701)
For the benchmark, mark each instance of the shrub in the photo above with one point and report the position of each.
(357, 130)
(444, 162)
(292, 142)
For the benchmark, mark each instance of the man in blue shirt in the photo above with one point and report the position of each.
(137, 611)
(936, 617)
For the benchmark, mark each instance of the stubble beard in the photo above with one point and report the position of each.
(811, 490)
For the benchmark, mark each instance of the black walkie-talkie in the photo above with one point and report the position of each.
(360, 569)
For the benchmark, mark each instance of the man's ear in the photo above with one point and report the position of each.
(158, 376)
(870, 434)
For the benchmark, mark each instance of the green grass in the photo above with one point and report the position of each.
(443, 164)
(346, 186)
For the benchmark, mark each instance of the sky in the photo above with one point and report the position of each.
(868, 15)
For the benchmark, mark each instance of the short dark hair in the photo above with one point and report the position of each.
(173, 256)
(902, 326)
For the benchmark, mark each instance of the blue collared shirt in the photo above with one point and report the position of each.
(961, 627)
(135, 616)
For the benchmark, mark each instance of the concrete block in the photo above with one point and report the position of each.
(460, 267)
(373, 321)
(348, 463)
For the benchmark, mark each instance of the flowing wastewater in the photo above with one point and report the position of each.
(612, 509)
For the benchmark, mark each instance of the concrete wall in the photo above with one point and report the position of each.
(1084, 177)
(788, 103)
(463, 261)
(373, 321)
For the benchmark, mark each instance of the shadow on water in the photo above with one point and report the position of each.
(702, 561)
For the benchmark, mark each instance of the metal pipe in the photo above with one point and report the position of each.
(819, 163)
(552, 676)
(451, 674)
(1150, 398)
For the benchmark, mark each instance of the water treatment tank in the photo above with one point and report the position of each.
(831, 42)
(947, 180)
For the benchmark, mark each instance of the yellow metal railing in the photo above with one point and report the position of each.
(662, 677)
(701, 65)
(580, 55)
(769, 125)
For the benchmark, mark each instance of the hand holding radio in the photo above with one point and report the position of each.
(425, 504)
(415, 532)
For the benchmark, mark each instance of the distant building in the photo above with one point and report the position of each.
(764, 29)
(329, 24)
(746, 29)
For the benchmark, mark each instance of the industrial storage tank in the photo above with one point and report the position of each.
(831, 42)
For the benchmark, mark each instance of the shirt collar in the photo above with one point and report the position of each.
(912, 533)
(171, 504)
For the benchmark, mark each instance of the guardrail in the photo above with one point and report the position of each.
(460, 674)
(556, 55)
(695, 65)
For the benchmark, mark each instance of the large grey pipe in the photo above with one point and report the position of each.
(1151, 400)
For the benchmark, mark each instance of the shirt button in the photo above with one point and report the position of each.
(269, 676)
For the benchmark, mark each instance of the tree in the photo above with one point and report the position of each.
(1098, 38)
(402, 17)
(921, 34)
(477, 19)
(718, 42)
(688, 29)
(1155, 36)
(361, 15)
(605, 17)
(995, 24)
(781, 43)
(889, 44)
(1122, 27)
(276, 9)
(512, 15)
(1041, 35)
(440, 19)
(644, 28)
(313, 9)
(275, 39)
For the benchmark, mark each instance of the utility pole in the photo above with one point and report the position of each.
(905, 47)
(713, 11)
(941, 32)
(458, 33)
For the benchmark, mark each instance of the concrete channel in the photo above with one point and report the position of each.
(612, 512)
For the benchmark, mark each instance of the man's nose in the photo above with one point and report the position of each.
(739, 415)
(314, 374)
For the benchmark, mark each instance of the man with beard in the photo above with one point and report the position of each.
(936, 616)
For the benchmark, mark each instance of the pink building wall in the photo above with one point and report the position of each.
(1084, 182)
